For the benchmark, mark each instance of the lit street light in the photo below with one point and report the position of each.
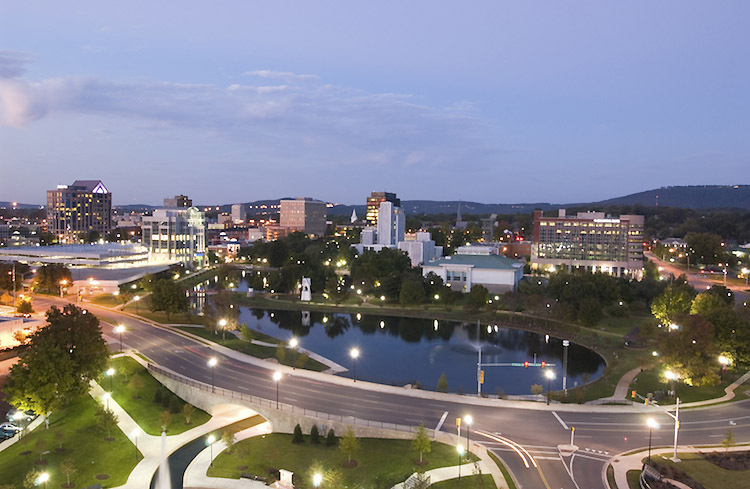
(469, 421)
(277, 378)
(671, 377)
(652, 425)
(317, 479)
(63, 283)
(293, 343)
(106, 397)
(210, 442)
(222, 327)
(120, 329)
(460, 450)
(550, 375)
(354, 352)
(42, 479)
(110, 373)
(212, 363)
(136, 299)
(724, 361)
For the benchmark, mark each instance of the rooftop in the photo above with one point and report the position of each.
(494, 262)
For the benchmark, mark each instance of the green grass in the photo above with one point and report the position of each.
(506, 473)
(653, 380)
(709, 475)
(141, 309)
(483, 481)
(258, 351)
(381, 462)
(611, 477)
(144, 410)
(82, 441)
(107, 300)
(633, 479)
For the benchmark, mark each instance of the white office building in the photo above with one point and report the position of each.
(391, 224)
(175, 235)
(462, 271)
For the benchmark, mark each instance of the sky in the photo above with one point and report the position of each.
(488, 101)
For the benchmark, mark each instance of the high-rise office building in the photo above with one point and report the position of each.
(303, 214)
(239, 214)
(590, 241)
(178, 201)
(373, 205)
(80, 208)
(175, 235)
(391, 224)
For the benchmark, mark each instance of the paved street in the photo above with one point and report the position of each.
(530, 431)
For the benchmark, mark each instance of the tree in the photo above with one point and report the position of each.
(301, 360)
(106, 420)
(60, 361)
(442, 385)
(590, 312)
(164, 419)
(229, 440)
(220, 310)
(330, 438)
(31, 480)
(246, 333)
(349, 444)
(728, 440)
(137, 384)
(187, 411)
(477, 297)
(68, 467)
(24, 307)
(314, 435)
(421, 442)
(706, 302)
(281, 353)
(412, 293)
(536, 389)
(168, 296)
(48, 277)
(690, 351)
(705, 248)
(297, 436)
(674, 302)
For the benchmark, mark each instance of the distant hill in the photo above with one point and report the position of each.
(690, 197)
(9, 205)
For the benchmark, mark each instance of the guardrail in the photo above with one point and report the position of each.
(289, 408)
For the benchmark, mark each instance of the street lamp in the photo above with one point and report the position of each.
(277, 379)
(293, 343)
(210, 442)
(42, 479)
(317, 479)
(136, 299)
(652, 425)
(354, 353)
(212, 363)
(110, 373)
(671, 377)
(550, 375)
(63, 283)
(106, 397)
(120, 329)
(724, 361)
(460, 450)
(469, 421)
(134, 434)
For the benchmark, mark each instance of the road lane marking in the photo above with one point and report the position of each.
(570, 470)
(442, 420)
(561, 421)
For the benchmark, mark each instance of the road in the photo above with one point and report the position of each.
(508, 430)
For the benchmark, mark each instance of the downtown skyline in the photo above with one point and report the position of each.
(502, 103)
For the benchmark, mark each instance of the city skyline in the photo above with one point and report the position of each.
(502, 103)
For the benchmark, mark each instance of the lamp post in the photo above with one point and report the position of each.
(469, 421)
(724, 361)
(110, 373)
(652, 425)
(63, 283)
(42, 479)
(120, 329)
(277, 379)
(550, 375)
(210, 442)
(222, 326)
(134, 434)
(566, 345)
(106, 397)
(317, 479)
(354, 353)
(460, 450)
(136, 299)
(212, 363)
(671, 377)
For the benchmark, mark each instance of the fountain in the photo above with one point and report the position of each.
(162, 480)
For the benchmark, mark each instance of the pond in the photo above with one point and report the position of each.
(400, 351)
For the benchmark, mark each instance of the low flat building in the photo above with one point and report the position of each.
(107, 255)
(462, 271)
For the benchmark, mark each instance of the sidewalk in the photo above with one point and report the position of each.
(150, 445)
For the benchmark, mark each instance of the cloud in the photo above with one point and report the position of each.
(284, 75)
(13, 63)
(299, 120)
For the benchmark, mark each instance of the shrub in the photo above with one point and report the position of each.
(330, 438)
(314, 435)
(297, 437)
(175, 405)
(442, 385)
(157, 396)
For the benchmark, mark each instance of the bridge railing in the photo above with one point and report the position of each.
(290, 408)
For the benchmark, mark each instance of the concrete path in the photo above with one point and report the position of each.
(150, 445)
(447, 473)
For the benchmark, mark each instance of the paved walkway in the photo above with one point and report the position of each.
(150, 445)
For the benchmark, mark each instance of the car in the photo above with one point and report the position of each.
(9, 427)
(17, 414)
(4, 435)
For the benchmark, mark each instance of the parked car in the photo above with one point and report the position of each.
(4, 435)
(9, 427)
(28, 415)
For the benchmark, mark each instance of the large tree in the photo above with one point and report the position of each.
(60, 361)
(690, 351)
(48, 277)
(673, 303)
(168, 296)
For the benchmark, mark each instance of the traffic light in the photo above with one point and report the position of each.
(544, 364)
(526, 364)
(481, 376)
(633, 395)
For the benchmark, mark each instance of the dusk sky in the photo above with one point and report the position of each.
(496, 102)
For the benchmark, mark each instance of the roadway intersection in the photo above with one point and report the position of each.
(525, 434)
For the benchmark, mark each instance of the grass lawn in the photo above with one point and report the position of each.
(382, 462)
(258, 351)
(506, 473)
(633, 479)
(144, 410)
(709, 475)
(141, 309)
(484, 481)
(75, 426)
(107, 300)
(653, 380)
